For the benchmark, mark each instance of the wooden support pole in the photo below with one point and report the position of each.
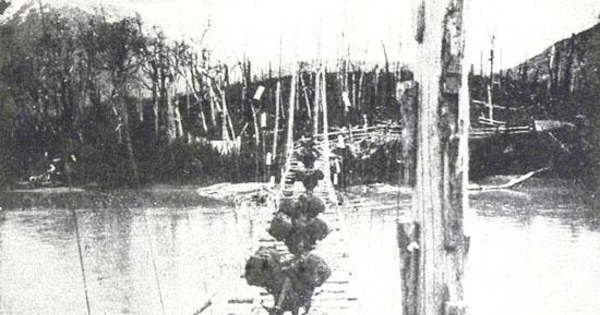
(440, 195)
(317, 103)
(211, 102)
(361, 78)
(407, 97)
(326, 147)
(256, 140)
(276, 128)
(324, 104)
(290, 133)
(305, 93)
(224, 119)
(408, 243)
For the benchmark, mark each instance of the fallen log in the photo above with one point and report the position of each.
(511, 183)
(204, 307)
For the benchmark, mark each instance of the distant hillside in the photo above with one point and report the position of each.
(563, 83)
(584, 47)
(570, 68)
(17, 12)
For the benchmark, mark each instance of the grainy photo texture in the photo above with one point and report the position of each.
(270, 157)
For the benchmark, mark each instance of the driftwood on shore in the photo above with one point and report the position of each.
(509, 184)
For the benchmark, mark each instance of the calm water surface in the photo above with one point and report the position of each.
(533, 252)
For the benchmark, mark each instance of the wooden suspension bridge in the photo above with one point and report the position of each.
(324, 144)
(355, 138)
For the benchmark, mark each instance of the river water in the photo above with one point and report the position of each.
(533, 251)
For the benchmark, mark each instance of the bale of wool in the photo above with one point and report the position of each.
(310, 271)
(299, 242)
(288, 207)
(311, 178)
(305, 234)
(262, 267)
(310, 205)
(281, 226)
(317, 229)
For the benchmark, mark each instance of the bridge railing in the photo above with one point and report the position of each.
(360, 132)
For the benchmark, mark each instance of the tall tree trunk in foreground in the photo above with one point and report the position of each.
(433, 248)
(407, 97)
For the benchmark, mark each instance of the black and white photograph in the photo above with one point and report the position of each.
(271, 157)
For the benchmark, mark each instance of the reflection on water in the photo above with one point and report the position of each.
(533, 265)
(196, 252)
(532, 252)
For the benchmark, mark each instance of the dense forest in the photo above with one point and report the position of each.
(562, 83)
(115, 102)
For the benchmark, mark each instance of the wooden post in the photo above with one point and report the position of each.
(375, 102)
(490, 88)
(276, 128)
(326, 148)
(324, 104)
(187, 113)
(290, 133)
(440, 195)
(407, 96)
(211, 102)
(317, 102)
(256, 140)
(360, 86)
(305, 93)
(481, 63)
(224, 123)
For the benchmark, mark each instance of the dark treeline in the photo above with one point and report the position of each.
(562, 83)
(571, 150)
(114, 101)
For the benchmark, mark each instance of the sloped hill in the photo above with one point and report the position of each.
(563, 83)
(16, 12)
(570, 67)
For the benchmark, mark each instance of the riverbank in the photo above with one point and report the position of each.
(79, 198)
(222, 194)
(258, 193)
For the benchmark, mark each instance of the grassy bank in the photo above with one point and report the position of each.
(62, 198)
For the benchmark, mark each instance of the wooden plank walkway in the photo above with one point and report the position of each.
(336, 296)
(356, 251)
(325, 143)
(290, 186)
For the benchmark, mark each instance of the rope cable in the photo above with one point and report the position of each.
(73, 212)
(138, 190)
(79, 251)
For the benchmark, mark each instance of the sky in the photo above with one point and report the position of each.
(329, 29)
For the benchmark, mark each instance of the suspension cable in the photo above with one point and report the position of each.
(73, 212)
(138, 190)
(155, 269)
(79, 248)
